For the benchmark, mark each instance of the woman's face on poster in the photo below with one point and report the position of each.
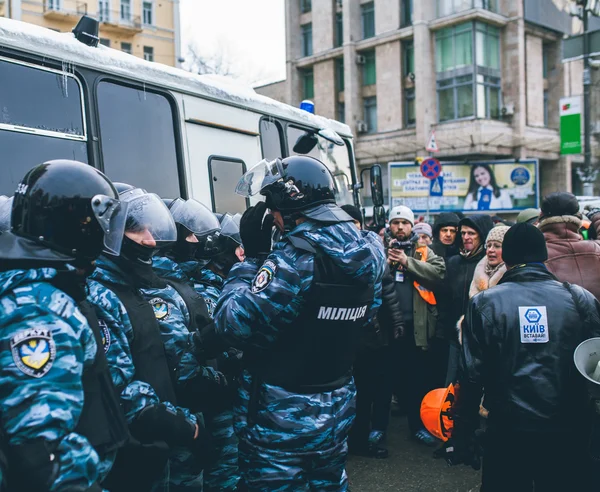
(482, 176)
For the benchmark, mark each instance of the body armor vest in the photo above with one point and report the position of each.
(199, 316)
(315, 354)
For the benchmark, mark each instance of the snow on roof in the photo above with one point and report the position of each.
(64, 47)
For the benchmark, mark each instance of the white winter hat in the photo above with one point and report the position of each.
(402, 212)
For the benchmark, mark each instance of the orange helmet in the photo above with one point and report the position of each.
(435, 412)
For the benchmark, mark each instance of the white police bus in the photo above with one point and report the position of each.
(160, 128)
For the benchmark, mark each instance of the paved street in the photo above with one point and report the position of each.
(409, 468)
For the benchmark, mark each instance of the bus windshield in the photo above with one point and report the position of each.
(335, 157)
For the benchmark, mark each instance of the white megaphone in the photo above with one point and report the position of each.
(587, 362)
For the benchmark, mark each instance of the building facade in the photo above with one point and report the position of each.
(148, 29)
(485, 75)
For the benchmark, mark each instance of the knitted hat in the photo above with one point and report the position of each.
(528, 215)
(560, 203)
(402, 212)
(497, 234)
(423, 228)
(353, 212)
(524, 243)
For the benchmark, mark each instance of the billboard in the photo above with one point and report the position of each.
(486, 186)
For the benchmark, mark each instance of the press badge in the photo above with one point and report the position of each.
(533, 321)
(399, 276)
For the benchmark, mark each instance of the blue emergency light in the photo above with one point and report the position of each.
(307, 105)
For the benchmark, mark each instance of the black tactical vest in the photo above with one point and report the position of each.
(199, 317)
(316, 352)
(102, 421)
(147, 349)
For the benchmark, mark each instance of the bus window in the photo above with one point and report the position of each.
(270, 138)
(335, 157)
(225, 172)
(41, 118)
(138, 138)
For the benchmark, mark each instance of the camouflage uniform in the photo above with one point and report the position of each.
(224, 474)
(291, 441)
(184, 471)
(47, 344)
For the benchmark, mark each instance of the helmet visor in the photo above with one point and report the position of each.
(146, 213)
(111, 214)
(5, 212)
(259, 176)
(194, 216)
(230, 228)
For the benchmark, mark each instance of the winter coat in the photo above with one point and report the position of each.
(529, 386)
(570, 257)
(459, 274)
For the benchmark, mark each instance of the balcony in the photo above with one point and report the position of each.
(64, 10)
(120, 22)
(450, 7)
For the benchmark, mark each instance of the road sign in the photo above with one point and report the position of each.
(436, 186)
(572, 47)
(432, 144)
(431, 168)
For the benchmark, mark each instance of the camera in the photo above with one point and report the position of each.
(398, 245)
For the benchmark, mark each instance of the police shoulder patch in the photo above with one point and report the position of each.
(105, 333)
(33, 351)
(264, 276)
(161, 308)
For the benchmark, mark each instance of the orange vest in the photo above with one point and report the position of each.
(426, 294)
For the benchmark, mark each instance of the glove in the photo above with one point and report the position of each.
(160, 423)
(204, 446)
(256, 231)
(457, 451)
(230, 362)
(591, 213)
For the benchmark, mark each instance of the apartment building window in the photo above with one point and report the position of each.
(126, 10)
(149, 53)
(368, 19)
(341, 112)
(307, 46)
(468, 71)
(305, 6)
(449, 7)
(370, 113)
(546, 107)
(147, 10)
(104, 10)
(408, 50)
(406, 11)
(126, 47)
(369, 68)
(54, 4)
(545, 74)
(339, 29)
(308, 84)
(339, 74)
(105, 42)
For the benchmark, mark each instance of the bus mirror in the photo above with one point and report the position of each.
(305, 143)
(379, 216)
(331, 136)
(376, 186)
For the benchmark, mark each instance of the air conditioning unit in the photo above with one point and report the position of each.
(360, 59)
(508, 110)
(362, 127)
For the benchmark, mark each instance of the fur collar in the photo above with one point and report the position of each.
(560, 219)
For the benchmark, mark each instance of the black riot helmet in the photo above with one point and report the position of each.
(192, 217)
(229, 241)
(293, 184)
(70, 208)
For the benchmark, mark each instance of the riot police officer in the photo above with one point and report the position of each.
(158, 347)
(61, 418)
(200, 234)
(297, 312)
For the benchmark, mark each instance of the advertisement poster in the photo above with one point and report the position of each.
(570, 125)
(487, 186)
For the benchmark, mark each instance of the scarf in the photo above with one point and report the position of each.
(467, 254)
(486, 276)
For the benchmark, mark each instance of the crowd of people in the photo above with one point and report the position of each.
(153, 345)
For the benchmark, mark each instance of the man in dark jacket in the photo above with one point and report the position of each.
(373, 367)
(518, 343)
(445, 229)
(459, 272)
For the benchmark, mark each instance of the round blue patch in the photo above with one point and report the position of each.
(520, 176)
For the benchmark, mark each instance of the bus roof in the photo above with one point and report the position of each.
(72, 53)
